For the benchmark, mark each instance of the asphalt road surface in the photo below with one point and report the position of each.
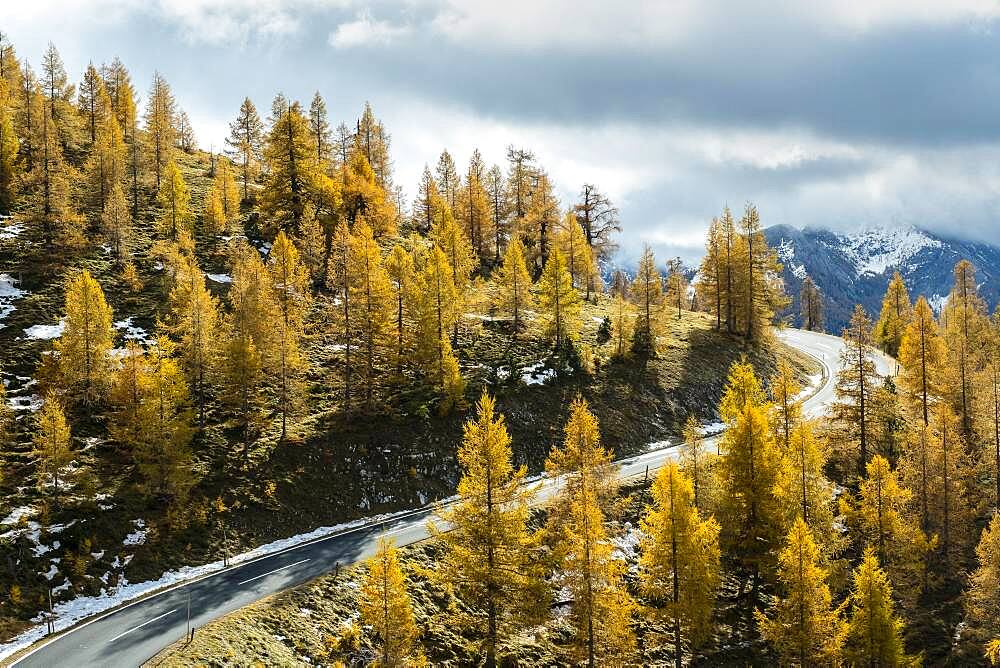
(132, 634)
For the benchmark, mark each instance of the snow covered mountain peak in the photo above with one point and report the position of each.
(878, 249)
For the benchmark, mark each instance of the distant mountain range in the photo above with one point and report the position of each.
(856, 267)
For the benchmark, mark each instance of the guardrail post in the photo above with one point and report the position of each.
(645, 478)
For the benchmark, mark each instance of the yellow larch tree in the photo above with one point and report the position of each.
(874, 633)
(293, 172)
(622, 325)
(571, 241)
(559, 301)
(894, 319)
(785, 391)
(107, 164)
(116, 223)
(450, 238)
(982, 599)
(488, 550)
(808, 493)
(10, 166)
(402, 272)
(711, 284)
(676, 294)
(371, 297)
(52, 441)
(245, 141)
(513, 286)
(435, 307)
(47, 184)
(602, 609)
(988, 410)
(174, 199)
(857, 380)
(761, 288)
(698, 464)
(750, 508)
(964, 317)
(87, 337)
(803, 626)
(290, 288)
(386, 607)
(222, 202)
(647, 294)
(922, 358)
(363, 196)
(161, 131)
(679, 563)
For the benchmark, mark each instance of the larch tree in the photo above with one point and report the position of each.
(250, 343)
(435, 307)
(386, 607)
(922, 357)
(513, 286)
(805, 488)
(121, 93)
(622, 325)
(559, 301)
(750, 508)
(964, 316)
(856, 383)
(363, 197)
(785, 391)
(988, 414)
(372, 298)
(472, 209)
(10, 167)
(290, 290)
(108, 162)
(811, 306)
(161, 133)
(427, 206)
(116, 223)
(543, 215)
(763, 292)
(450, 238)
(319, 128)
(895, 316)
(184, 135)
(47, 183)
(711, 273)
(174, 199)
(982, 599)
(162, 454)
(292, 172)
(598, 218)
(803, 626)
(677, 286)
(647, 293)
(87, 337)
(568, 237)
(58, 92)
(373, 142)
(402, 273)
(246, 143)
(698, 464)
(874, 633)
(222, 202)
(488, 549)
(601, 608)
(679, 563)
(196, 324)
(950, 513)
(520, 172)
(447, 178)
(496, 189)
(52, 441)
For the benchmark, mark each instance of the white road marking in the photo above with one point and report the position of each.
(143, 624)
(257, 577)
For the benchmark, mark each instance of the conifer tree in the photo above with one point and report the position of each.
(811, 306)
(162, 453)
(250, 344)
(988, 415)
(894, 317)
(762, 290)
(964, 317)
(161, 110)
(117, 224)
(560, 302)
(48, 181)
(319, 128)
(496, 188)
(121, 93)
(622, 326)
(428, 205)
(856, 383)
(196, 317)
(950, 513)
(435, 308)
(175, 200)
(803, 627)
(7, 422)
(677, 286)
(750, 508)
(646, 292)
(488, 555)
(785, 391)
(386, 607)
(10, 168)
(222, 203)
(373, 142)
(290, 288)
(185, 132)
(473, 209)
(679, 563)
(602, 609)
(450, 238)
(52, 444)
(363, 197)
(399, 265)
(292, 170)
(107, 165)
(371, 296)
(540, 220)
(519, 178)
(87, 337)
(513, 285)
(447, 178)
(982, 600)
(246, 141)
(807, 491)
(570, 240)
(598, 218)
(59, 94)
(711, 283)
(874, 633)
(697, 464)
(921, 356)
(129, 385)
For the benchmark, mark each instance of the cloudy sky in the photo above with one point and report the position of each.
(836, 114)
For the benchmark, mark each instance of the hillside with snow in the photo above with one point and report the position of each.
(855, 267)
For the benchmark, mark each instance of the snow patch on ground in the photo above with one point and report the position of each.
(220, 278)
(137, 537)
(15, 515)
(11, 231)
(627, 544)
(46, 332)
(132, 332)
(8, 293)
(70, 612)
(537, 374)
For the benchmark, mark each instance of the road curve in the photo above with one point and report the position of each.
(132, 634)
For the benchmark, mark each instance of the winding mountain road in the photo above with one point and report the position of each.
(131, 634)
